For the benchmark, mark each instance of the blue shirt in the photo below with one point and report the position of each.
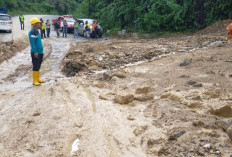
(35, 41)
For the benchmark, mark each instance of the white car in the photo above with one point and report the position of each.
(6, 23)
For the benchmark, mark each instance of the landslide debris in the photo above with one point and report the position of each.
(9, 49)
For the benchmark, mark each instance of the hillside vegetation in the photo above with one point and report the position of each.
(133, 15)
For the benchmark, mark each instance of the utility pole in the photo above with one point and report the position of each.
(89, 8)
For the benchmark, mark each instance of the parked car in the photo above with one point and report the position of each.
(90, 21)
(6, 23)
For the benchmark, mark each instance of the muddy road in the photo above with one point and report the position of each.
(119, 98)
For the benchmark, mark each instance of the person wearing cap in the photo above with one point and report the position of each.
(87, 29)
(76, 26)
(65, 27)
(36, 50)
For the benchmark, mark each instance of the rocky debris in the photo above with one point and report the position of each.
(170, 97)
(224, 111)
(9, 49)
(194, 104)
(140, 130)
(182, 50)
(195, 84)
(103, 97)
(198, 85)
(211, 94)
(217, 44)
(130, 117)
(89, 50)
(71, 68)
(144, 98)
(144, 90)
(119, 75)
(176, 135)
(229, 132)
(107, 76)
(124, 100)
(224, 123)
(185, 63)
(198, 123)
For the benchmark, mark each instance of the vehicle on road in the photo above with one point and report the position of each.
(81, 28)
(3, 10)
(6, 23)
(69, 20)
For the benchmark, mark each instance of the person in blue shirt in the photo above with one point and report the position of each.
(36, 50)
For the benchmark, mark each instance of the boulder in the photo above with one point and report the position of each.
(119, 75)
(144, 90)
(185, 62)
(140, 130)
(144, 98)
(224, 111)
(217, 44)
(124, 99)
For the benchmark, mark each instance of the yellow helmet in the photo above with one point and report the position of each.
(34, 20)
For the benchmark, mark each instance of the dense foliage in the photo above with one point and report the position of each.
(134, 15)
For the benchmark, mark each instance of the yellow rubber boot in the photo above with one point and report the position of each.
(35, 78)
(39, 80)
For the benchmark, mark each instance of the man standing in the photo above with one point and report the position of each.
(36, 50)
(43, 29)
(57, 28)
(21, 20)
(87, 29)
(65, 27)
(94, 30)
(48, 25)
(76, 26)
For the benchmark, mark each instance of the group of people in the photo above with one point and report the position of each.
(87, 30)
(45, 28)
(63, 25)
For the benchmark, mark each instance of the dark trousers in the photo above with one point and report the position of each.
(48, 32)
(22, 25)
(43, 33)
(94, 34)
(36, 61)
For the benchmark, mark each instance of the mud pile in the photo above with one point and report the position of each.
(218, 27)
(9, 49)
(92, 56)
